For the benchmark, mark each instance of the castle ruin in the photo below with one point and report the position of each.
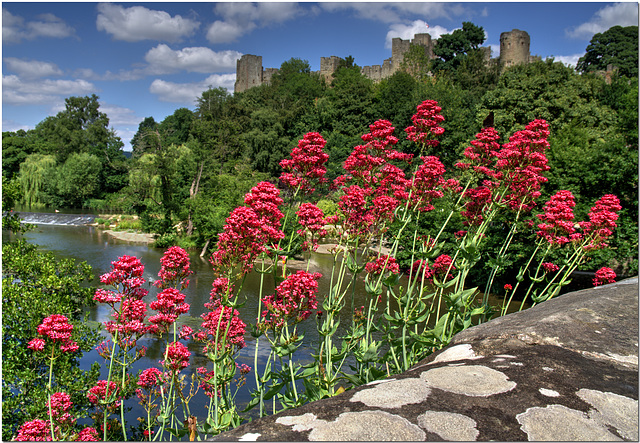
(514, 50)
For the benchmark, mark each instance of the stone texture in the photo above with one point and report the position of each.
(563, 370)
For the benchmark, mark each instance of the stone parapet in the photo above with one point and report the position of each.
(564, 370)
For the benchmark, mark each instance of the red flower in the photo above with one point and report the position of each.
(150, 378)
(306, 168)
(312, 219)
(169, 304)
(37, 344)
(550, 267)
(294, 299)
(176, 357)
(426, 123)
(508, 287)
(35, 430)
(602, 220)
(428, 183)
(56, 328)
(88, 434)
(557, 218)
(219, 321)
(382, 264)
(604, 276)
(477, 200)
(175, 268)
(100, 392)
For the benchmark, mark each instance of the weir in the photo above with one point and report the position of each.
(50, 218)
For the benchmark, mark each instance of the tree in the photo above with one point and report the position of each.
(416, 62)
(78, 179)
(34, 172)
(451, 49)
(140, 143)
(617, 46)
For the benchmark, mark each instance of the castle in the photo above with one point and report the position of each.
(514, 49)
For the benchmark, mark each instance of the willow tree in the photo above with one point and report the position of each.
(34, 172)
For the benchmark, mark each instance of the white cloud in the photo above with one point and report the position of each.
(13, 126)
(406, 32)
(119, 115)
(568, 60)
(239, 19)
(15, 29)
(15, 91)
(139, 23)
(31, 68)
(623, 14)
(396, 12)
(188, 93)
(163, 59)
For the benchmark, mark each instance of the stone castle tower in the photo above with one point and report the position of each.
(514, 49)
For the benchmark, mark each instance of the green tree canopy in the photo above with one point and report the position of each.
(617, 46)
(451, 49)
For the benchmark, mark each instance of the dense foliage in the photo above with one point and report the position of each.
(616, 47)
(192, 168)
(34, 286)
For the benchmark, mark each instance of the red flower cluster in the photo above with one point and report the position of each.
(100, 392)
(381, 264)
(604, 276)
(522, 162)
(169, 304)
(34, 430)
(219, 321)
(306, 167)
(426, 124)
(602, 220)
(88, 434)
(557, 225)
(477, 200)
(294, 299)
(550, 267)
(249, 230)
(60, 404)
(428, 183)
(126, 271)
(175, 268)
(441, 268)
(312, 219)
(150, 378)
(176, 357)
(482, 153)
(56, 328)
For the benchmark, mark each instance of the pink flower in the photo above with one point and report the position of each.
(176, 357)
(293, 300)
(428, 183)
(550, 267)
(223, 320)
(185, 332)
(100, 392)
(482, 153)
(557, 220)
(35, 430)
(312, 219)
(306, 167)
(88, 434)
(175, 268)
(508, 287)
(169, 304)
(60, 403)
(37, 344)
(426, 123)
(150, 378)
(382, 264)
(477, 200)
(602, 221)
(604, 276)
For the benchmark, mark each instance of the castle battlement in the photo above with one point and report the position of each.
(514, 50)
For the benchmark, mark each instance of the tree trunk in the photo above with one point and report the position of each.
(204, 250)
(195, 185)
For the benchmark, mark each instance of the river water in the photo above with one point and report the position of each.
(87, 243)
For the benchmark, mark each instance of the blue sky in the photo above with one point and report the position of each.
(149, 59)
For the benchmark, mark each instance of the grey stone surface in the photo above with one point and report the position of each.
(476, 380)
(563, 370)
(449, 425)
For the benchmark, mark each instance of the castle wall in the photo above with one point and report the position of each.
(514, 50)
